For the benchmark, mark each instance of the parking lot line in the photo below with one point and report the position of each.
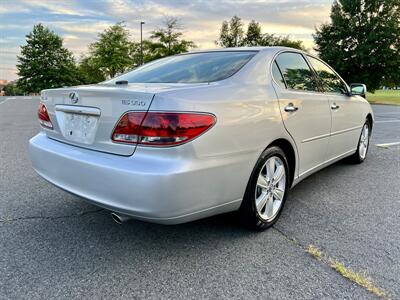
(11, 98)
(387, 121)
(388, 144)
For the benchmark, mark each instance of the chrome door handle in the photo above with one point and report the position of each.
(335, 106)
(291, 108)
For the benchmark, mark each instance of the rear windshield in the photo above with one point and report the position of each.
(190, 68)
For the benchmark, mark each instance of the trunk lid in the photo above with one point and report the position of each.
(85, 116)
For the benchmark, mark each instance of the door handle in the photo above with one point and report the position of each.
(291, 108)
(335, 106)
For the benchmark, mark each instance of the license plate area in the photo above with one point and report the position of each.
(78, 126)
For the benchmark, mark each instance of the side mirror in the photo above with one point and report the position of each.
(358, 89)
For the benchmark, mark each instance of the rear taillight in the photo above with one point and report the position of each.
(128, 127)
(161, 128)
(44, 118)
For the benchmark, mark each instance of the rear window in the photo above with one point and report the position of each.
(190, 68)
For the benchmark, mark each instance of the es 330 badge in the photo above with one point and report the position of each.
(133, 102)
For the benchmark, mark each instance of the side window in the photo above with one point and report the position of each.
(296, 71)
(330, 81)
(276, 73)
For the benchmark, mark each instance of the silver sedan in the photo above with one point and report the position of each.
(202, 133)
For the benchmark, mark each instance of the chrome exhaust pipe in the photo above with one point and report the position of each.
(119, 218)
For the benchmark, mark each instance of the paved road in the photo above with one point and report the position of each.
(54, 245)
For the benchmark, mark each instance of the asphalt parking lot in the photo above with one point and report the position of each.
(53, 245)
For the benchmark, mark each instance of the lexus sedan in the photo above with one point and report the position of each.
(201, 133)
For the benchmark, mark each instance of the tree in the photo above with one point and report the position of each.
(166, 41)
(236, 30)
(362, 42)
(113, 52)
(224, 39)
(11, 89)
(283, 41)
(231, 33)
(253, 35)
(89, 72)
(44, 62)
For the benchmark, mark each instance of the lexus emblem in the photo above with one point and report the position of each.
(74, 97)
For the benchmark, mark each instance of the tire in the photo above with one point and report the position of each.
(363, 145)
(261, 188)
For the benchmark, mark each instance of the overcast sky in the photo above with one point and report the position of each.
(79, 21)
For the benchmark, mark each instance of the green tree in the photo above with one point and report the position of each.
(231, 33)
(254, 35)
(44, 62)
(224, 39)
(362, 41)
(283, 41)
(11, 89)
(113, 52)
(88, 71)
(166, 41)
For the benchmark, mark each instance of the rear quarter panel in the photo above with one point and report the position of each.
(248, 120)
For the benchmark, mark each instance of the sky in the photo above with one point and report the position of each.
(78, 22)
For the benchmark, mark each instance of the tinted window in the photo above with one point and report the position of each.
(190, 68)
(330, 81)
(277, 75)
(296, 72)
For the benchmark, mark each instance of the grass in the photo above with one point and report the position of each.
(384, 97)
(315, 252)
(358, 278)
(351, 275)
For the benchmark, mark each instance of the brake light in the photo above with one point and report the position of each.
(128, 127)
(44, 118)
(161, 128)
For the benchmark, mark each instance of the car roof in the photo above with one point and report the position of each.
(233, 49)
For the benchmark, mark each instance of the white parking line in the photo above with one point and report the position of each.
(7, 99)
(388, 121)
(386, 145)
(386, 113)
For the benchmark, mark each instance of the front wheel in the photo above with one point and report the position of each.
(266, 191)
(363, 144)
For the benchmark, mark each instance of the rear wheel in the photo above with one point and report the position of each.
(266, 191)
(363, 144)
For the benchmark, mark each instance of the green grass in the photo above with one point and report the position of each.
(348, 273)
(358, 278)
(384, 97)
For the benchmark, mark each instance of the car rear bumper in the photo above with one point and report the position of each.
(162, 189)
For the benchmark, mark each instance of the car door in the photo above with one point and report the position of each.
(346, 124)
(304, 108)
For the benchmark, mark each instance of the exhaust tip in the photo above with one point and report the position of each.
(119, 219)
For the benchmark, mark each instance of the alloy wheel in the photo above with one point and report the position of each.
(364, 140)
(270, 188)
